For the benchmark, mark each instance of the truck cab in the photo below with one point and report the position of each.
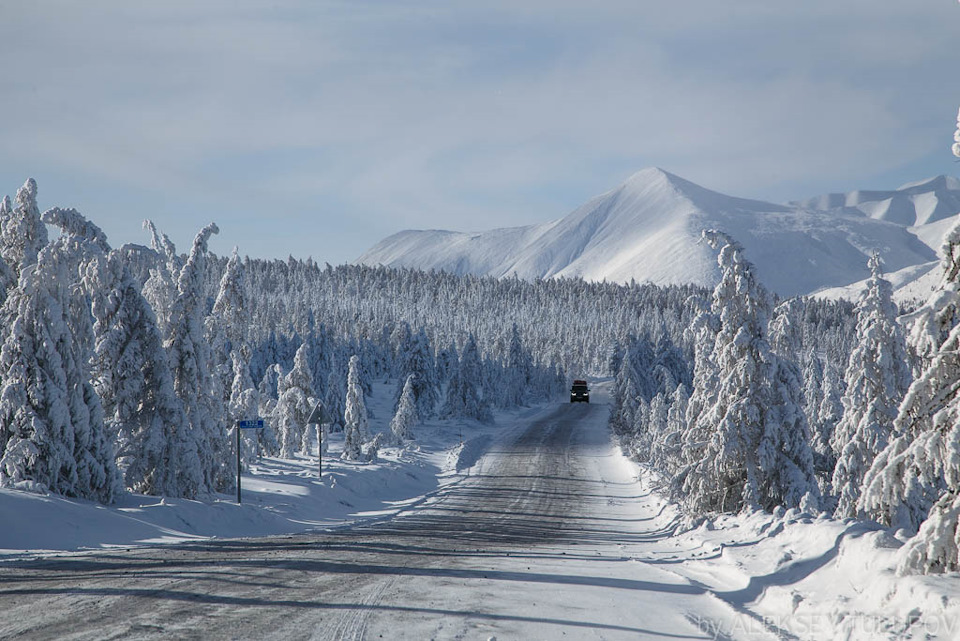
(579, 392)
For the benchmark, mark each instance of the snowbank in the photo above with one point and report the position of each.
(807, 577)
(279, 496)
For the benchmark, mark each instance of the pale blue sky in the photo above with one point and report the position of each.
(318, 128)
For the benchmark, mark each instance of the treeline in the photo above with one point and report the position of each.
(130, 367)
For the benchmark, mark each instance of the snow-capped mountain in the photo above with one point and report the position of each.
(648, 229)
(913, 204)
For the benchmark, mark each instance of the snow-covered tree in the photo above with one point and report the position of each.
(231, 307)
(667, 450)
(614, 357)
(23, 234)
(464, 398)
(6, 209)
(406, 416)
(650, 426)
(8, 279)
(418, 361)
(294, 405)
(786, 328)
(155, 449)
(244, 399)
(72, 222)
(513, 385)
(334, 401)
(50, 415)
(918, 473)
(877, 377)
(189, 356)
(749, 446)
(160, 288)
(226, 324)
(355, 429)
(267, 440)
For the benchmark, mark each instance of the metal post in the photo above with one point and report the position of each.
(316, 418)
(237, 427)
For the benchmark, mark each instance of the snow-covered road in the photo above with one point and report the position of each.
(549, 536)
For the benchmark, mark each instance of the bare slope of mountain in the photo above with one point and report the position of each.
(648, 229)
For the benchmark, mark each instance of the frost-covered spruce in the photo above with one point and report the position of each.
(918, 473)
(650, 425)
(355, 427)
(823, 390)
(877, 377)
(515, 382)
(418, 361)
(267, 440)
(8, 279)
(160, 288)
(23, 234)
(400, 344)
(670, 367)
(911, 474)
(231, 307)
(189, 358)
(72, 222)
(626, 404)
(914, 482)
(464, 398)
(334, 402)
(155, 449)
(244, 400)
(143, 416)
(6, 209)
(750, 443)
(50, 416)
(666, 450)
(226, 325)
(294, 406)
(786, 328)
(401, 427)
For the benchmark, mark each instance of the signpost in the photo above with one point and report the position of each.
(316, 418)
(244, 425)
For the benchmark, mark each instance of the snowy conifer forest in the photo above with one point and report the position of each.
(127, 369)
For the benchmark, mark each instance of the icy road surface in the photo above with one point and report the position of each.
(549, 537)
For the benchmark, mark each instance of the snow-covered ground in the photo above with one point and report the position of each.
(278, 496)
(752, 576)
(810, 577)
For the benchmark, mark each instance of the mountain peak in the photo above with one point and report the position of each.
(651, 177)
(650, 174)
(648, 229)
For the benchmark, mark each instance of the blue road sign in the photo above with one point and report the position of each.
(250, 425)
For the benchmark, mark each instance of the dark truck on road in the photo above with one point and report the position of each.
(579, 393)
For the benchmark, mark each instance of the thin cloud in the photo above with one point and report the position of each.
(433, 115)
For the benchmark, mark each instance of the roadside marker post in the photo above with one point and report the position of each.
(316, 418)
(255, 424)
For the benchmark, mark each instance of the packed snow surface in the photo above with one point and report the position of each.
(536, 527)
(648, 229)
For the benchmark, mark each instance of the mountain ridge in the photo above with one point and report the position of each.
(648, 228)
